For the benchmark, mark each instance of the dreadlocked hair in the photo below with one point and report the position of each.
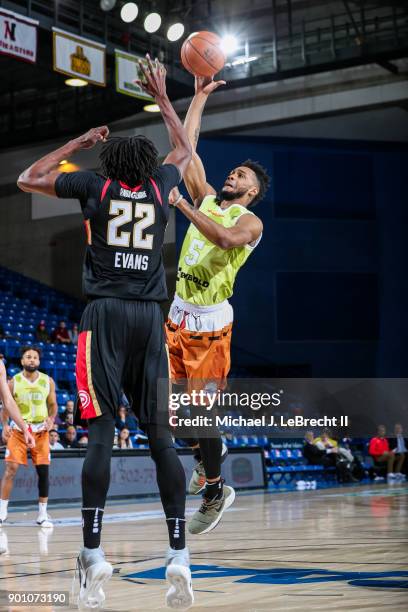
(130, 159)
(264, 179)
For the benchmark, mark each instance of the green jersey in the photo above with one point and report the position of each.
(206, 273)
(31, 397)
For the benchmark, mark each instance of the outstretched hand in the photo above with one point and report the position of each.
(206, 85)
(154, 77)
(92, 136)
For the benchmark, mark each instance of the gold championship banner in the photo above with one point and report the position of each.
(79, 57)
(127, 71)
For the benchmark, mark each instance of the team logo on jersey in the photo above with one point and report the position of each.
(84, 398)
(133, 195)
(194, 279)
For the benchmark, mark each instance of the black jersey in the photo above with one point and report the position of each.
(125, 231)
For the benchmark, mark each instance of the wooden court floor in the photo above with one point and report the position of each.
(335, 549)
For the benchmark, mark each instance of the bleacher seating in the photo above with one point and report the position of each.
(24, 302)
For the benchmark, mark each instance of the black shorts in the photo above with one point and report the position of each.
(121, 348)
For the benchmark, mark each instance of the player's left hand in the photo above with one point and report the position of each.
(49, 423)
(92, 136)
(154, 77)
(29, 438)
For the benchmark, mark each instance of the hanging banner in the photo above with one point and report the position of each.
(127, 71)
(18, 36)
(79, 57)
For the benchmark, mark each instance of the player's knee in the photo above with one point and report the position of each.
(11, 470)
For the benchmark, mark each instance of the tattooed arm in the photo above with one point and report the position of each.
(194, 177)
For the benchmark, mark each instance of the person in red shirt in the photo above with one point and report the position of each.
(60, 334)
(379, 450)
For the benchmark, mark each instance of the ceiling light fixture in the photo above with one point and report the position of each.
(107, 5)
(76, 82)
(128, 12)
(151, 108)
(175, 32)
(229, 44)
(152, 23)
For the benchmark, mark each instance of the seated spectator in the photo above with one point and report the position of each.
(60, 334)
(315, 455)
(69, 409)
(70, 438)
(41, 334)
(325, 441)
(399, 446)
(124, 440)
(83, 440)
(55, 444)
(68, 420)
(124, 419)
(73, 334)
(379, 450)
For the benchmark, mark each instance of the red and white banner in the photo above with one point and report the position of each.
(18, 36)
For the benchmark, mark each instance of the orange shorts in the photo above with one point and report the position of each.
(16, 450)
(197, 354)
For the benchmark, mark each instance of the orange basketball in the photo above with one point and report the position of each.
(202, 55)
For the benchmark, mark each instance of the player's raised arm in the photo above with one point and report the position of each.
(155, 84)
(40, 177)
(10, 408)
(195, 177)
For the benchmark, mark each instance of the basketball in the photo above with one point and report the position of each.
(201, 54)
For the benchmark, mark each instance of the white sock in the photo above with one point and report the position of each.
(3, 506)
(42, 507)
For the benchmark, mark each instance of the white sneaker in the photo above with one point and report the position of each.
(400, 477)
(3, 519)
(44, 520)
(379, 479)
(391, 477)
(301, 485)
(93, 572)
(180, 594)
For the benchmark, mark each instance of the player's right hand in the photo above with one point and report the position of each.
(5, 434)
(206, 85)
(29, 438)
(92, 136)
(154, 77)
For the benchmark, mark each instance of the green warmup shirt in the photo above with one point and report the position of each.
(206, 273)
(31, 397)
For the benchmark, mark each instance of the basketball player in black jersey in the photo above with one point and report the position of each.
(121, 341)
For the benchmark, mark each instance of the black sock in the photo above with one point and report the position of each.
(92, 526)
(177, 533)
(213, 490)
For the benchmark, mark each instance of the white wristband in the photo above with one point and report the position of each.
(178, 200)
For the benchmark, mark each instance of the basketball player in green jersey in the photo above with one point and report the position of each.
(222, 235)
